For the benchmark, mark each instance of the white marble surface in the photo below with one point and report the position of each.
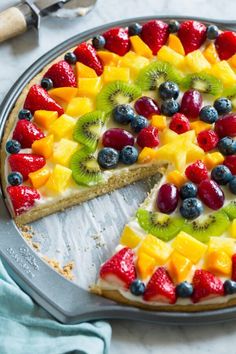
(18, 54)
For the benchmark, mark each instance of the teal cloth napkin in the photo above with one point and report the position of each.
(26, 328)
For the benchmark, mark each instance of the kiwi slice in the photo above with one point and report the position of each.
(214, 224)
(88, 129)
(85, 169)
(115, 93)
(154, 74)
(230, 210)
(202, 82)
(160, 225)
(231, 94)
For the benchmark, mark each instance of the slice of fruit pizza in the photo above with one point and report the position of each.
(125, 105)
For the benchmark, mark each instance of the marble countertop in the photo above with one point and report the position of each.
(16, 55)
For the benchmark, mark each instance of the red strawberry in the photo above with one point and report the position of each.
(207, 140)
(192, 35)
(62, 75)
(26, 133)
(160, 287)
(26, 163)
(226, 45)
(38, 98)
(196, 172)
(22, 198)
(155, 34)
(119, 269)
(86, 54)
(117, 41)
(206, 286)
(234, 267)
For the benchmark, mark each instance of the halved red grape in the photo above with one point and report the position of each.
(168, 197)
(117, 138)
(191, 103)
(211, 194)
(146, 106)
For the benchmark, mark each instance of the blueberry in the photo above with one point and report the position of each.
(212, 32)
(138, 123)
(169, 107)
(184, 289)
(223, 105)
(98, 42)
(221, 174)
(229, 287)
(129, 155)
(13, 146)
(70, 58)
(191, 208)
(15, 178)
(188, 190)
(46, 83)
(108, 157)
(227, 146)
(134, 29)
(232, 185)
(25, 114)
(123, 114)
(137, 287)
(208, 114)
(168, 90)
(173, 26)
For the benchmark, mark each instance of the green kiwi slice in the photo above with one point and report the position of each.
(85, 169)
(88, 129)
(214, 224)
(115, 93)
(231, 94)
(154, 74)
(160, 225)
(230, 210)
(203, 82)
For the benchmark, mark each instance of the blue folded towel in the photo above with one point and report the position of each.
(26, 328)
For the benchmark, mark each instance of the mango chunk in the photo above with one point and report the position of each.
(219, 263)
(140, 47)
(63, 126)
(108, 58)
(223, 72)
(145, 265)
(79, 106)
(63, 93)
(44, 146)
(129, 237)
(225, 244)
(210, 54)
(171, 56)
(179, 267)
(156, 249)
(63, 150)
(112, 73)
(146, 155)
(89, 87)
(45, 118)
(59, 179)
(176, 177)
(196, 61)
(199, 126)
(175, 43)
(232, 61)
(84, 71)
(213, 159)
(159, 121)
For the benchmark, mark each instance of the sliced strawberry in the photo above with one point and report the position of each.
(160, 287)
(38, 98)
(206, 286)
(26, 163)
(155, 34)
(86, 54)
(117, 41)
(192, 35)
(234, 267)
(26, 133)
(22, 198)
(119, 269)
(226, 45)
(61, 74)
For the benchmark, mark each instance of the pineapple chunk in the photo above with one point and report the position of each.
(146, 155)
(176, 177)
(232, 229)
(179, 267)
(63, 93)
(210, 54)
(134, 62)
(63, 150)
(196, 61)
(140, 47)
(213, 159)
(112, 73)
(219, 263)
(223, 72)
(225, 244)
(189, 247)
(145, 265)
(156, 249)
(171, 56)
(199, 126)
(43, 146)
(108, 58)
(129, 238)
(175, 43)
(79, 106)
(59, 179)
(39, 177)
(45, 118)
(89, 87)
(84, 71)
(159, 122)
(63, 126)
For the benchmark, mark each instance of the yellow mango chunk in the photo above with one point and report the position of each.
(134, 62)
(176, 177)
(171, 56)
(225, 244)
(108, 58)
(156, 249)
(89, 87)
(196, 61)
(45, 118)
(63, 126)
(189, 247)
(140, 47)
(232, 61)
(175, 43)
(39, 177)
(210, 54)
(146, 155)
(232, 229)
(63, 150)
(112, 73)
(84, 71)
(129, 238)
(199, 126)
(159, 121)
(63, 93)
(43, 146)
(59, 179)
(179, 267)
(79, 106)
(219, 263)
(213, 159)
(223, 71)
(145, 265)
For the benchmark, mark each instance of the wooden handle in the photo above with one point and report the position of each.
(12, 23)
